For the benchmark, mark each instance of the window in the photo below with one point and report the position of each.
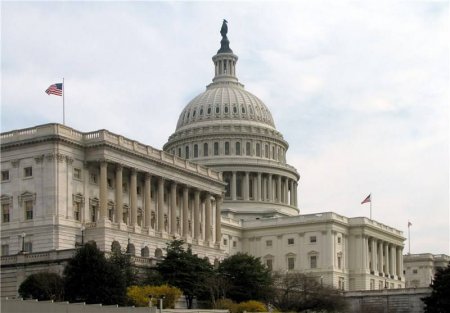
(77, 211)
(339, 240)
(291, 263)
(201, 111)
(226, 109)
(313, 261)
(205, 149)
(209, 110)
(268, 243)
(217, 110)
(28, 171)
(94, 210)
(216, 148)
(243, 110)
(341, 283)
(234, 110)
(227, 179)
(5, 212)
(28, 247)
(77, 173)
(179, 152)
(195, 151)
(258, 150)
(266, 151)
(290, 241)
(313, 239)
(234, 244)
(5, 175)
(227, 148)
(339, 261)
(124, 187)
(139, 190)
(109, 182)
(269, 264)
(111, 211)
(247, 148)
(5, 249)
(186, 152)
(238, 148)
(93, 178)
(415, 271)
(225, 242)
(29, 209)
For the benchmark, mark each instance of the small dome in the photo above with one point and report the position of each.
(225, 102)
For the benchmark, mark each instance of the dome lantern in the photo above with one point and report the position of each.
(225, 60)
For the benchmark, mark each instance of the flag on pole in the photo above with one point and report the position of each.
(409, 224)
(55, 89)
(367, 199)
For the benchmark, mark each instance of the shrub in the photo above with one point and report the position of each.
(140, 295)
(226, 304)
(42, 286)
(251, 306)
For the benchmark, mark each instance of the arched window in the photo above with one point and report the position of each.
(234, 109)
(258, 150)
(158, 253)
(186, 152)
(195, 151)
(145, 252)
(238, 148)
(226, 109)
(216, 148)
(266, 151)
(179, 152)
(248, 148)
(205, 149)
(227, 148)
(209, 110)
(201, 111)
(217, 109)
(243, 110)
(115, 246)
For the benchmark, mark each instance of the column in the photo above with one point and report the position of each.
(196, 214)
(291, 187)
(185, 211)
(255, 187)
(246, 186)
(173, 208)
(286, 191)
(295, 194)
(393, 261)
(218, 220)
(380, 257)
(103, 190)
(119, 194)
(386, 258)
(270, 188)
(133, 197)
(374, 255)
(400, 262)
(258, 186)
(148, 200)
(233, 185)
(208, 217)
(279, 189)
(160, 204)
(364, 252)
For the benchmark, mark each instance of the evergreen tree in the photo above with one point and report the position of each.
(182, 269)
(89, 277)
(248, 277)
(42, 286)
(439, 300)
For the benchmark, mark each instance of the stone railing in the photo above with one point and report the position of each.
(307, 218)
(107, 137)
(34, 257)
(366, 221)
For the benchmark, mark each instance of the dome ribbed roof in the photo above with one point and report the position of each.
(225, 102)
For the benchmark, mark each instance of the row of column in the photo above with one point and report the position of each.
(175, 187)
(383, 257)
(266, 187)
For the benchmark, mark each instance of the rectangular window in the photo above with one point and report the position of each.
(313, 261)
(138, 190)
(5, 175)
(290, 241)
(339, 240)
(341, 283)
(225, 242)
(28, 171)
(216, 148)
(77, 173)
(414, 271)
(339, 259)
(234, 244)
(5, 249)
(76, 211)
(28, 247)
(227, 148)
(313, 239)
(268, 243)
(5, 213)
(291, 263)
(269, 264)
(93, 178)
(247, 148)
(29, 210)
(124, 187)
(109, 182)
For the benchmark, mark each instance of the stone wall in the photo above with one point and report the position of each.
(387, 300)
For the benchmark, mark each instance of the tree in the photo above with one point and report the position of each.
(182, 269)
(298, 292)
(89, 277)
(248, 277)
(123, 262)
(42, 286)
(439, 300)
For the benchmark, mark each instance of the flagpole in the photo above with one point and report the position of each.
(64, 108)
(370, 205)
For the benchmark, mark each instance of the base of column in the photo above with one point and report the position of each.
(104, 222)
(123, 226)
(137, 229)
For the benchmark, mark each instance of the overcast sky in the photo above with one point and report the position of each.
(360, 90)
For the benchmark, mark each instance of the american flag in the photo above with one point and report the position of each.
(367, 199)
(55, 89)
(409, 224)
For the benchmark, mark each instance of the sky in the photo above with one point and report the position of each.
(359, 89)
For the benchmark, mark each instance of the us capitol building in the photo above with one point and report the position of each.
(221, 183)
